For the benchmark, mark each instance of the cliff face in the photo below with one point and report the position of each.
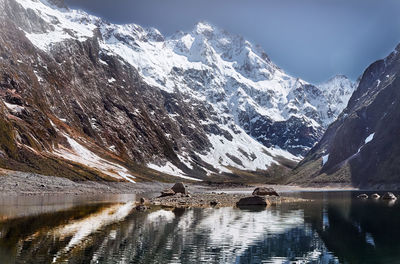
(362, 146)
(87, 99)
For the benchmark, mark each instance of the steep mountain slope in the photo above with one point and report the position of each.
(362, 147)
(238, 79)
(122, 101)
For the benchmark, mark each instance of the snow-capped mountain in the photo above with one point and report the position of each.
(195, 103)
(361, 148)
(337, 92)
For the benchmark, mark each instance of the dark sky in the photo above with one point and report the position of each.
(311, 39)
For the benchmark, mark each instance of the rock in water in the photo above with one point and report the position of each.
(265, 191)
(167, 192)
(141, 208)
(362, 196)
(143, 200)
(253, 201)
(389, 196)
(375, 196)
(180, 188)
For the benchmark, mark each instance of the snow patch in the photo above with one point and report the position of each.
(242, 152)
(14, 108)
(325, 159)
(369, 138)
(171, 169)
(103, 62)
(366, 141)
(70, 26)
(82, 155)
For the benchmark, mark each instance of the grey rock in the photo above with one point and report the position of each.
(253, 201)
(179, 187)
(167, 192)
(362, 196)
(265, 191)
(141, 208)
(389, 196)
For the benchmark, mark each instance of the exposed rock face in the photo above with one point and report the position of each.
(362, 146)
(265, 191)
(84, 98)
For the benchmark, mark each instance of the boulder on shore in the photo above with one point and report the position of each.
(167, 192)
(362, 196)
(179, 187)
(265, 191)
(253, 201)
(375, 196)
(389, 196)
(214, 203)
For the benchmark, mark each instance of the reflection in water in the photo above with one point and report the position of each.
(80, 229)
(333, 229)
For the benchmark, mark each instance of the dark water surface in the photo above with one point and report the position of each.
(334, 228)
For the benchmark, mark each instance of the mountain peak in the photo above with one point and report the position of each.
(339, 81)
(337, 77)
(204, 28)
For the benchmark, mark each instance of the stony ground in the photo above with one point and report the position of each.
(21, 183)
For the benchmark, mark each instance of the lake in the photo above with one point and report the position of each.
(333, 228)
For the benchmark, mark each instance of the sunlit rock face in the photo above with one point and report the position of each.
(362, 147)
(194, 104)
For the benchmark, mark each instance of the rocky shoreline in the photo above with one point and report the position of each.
(16, 183)
(204, 200)
(179, 197)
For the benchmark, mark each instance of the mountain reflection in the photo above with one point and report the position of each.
(332, 229)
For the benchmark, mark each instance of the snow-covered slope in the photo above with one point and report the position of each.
(337, 92)
(256, 114)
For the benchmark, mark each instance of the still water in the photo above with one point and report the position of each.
(333, 228)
